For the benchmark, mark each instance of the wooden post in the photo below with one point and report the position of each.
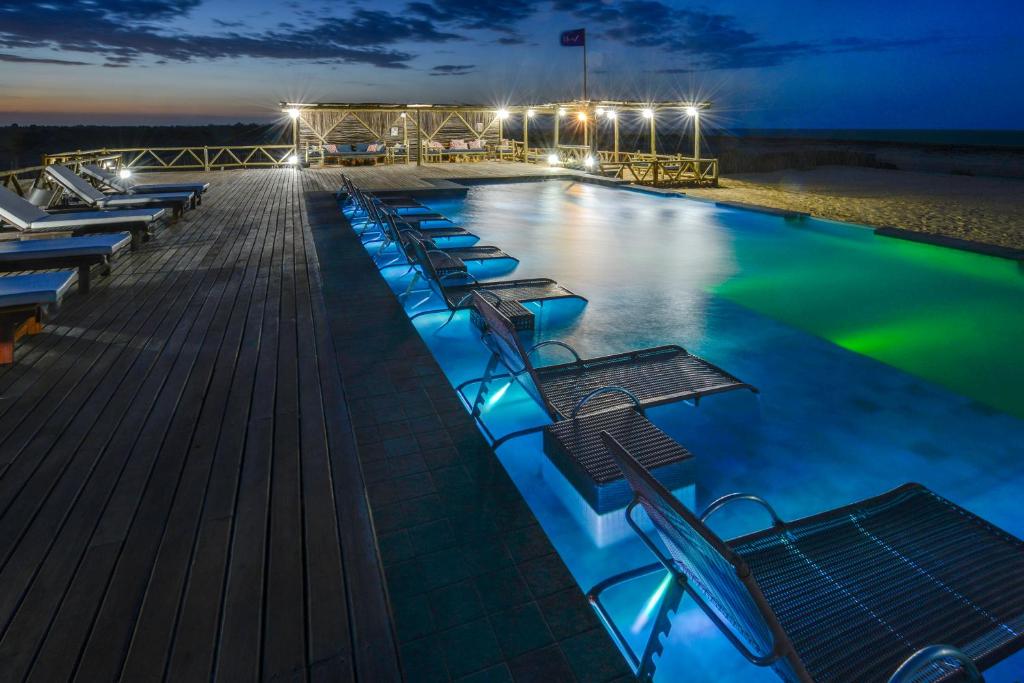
(295, 136)
(696, 136)
(615, 129)
(501, 130)
(206, 158)
(654, 144)
(558, 122)
(526, 135)
(419, 139)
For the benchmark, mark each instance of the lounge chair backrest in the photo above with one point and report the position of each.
(419, 253)
(18, 211)
(509, 348)
(106, 177)
(74, 184)
(713, 570)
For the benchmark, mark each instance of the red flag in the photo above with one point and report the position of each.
(574, 38)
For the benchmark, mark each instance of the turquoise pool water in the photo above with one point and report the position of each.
(879, 362)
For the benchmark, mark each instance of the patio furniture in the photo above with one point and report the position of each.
(24, 301)
(128, 186)
(30, 219)
(446, 260)
(362, 151)
(81, 253)
(77, 187)
(905, 586)
(456, 289)
(646, 377)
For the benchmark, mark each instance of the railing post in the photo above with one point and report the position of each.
(206, 158)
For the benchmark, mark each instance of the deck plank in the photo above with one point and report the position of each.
(179, 497)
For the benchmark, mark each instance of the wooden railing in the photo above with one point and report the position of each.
(183, 158)
(659, 169)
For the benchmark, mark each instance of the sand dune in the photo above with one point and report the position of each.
(981, 209)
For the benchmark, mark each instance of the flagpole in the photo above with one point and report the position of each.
(584, 65)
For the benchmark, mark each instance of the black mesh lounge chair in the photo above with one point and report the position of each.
(129, 186)
(64, 252)
(643, 378)
(391, 226)
(443, 261)
(456, 289)
(357, 197)
(905, 587)
(30, 219)
(78, 187)
(24, 301)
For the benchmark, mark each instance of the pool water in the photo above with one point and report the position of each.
(879, 362)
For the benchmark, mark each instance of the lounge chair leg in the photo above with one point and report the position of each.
(84, 272)
(6, 352)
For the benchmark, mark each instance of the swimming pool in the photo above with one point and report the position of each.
(879, 362)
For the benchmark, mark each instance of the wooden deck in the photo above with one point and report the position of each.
(179, 497)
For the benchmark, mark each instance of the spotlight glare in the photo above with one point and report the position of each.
(293, 159)
(531, 113)
(581, 116)
(561, 111)
(124, 173)
(648, 113)
(600, 111)
(294, 113)
(552, 159)
(589, 162)
(402, 114)
(691, 111)
(503, 114)
(610, 114)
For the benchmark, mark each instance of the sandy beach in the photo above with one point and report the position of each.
(980, 209)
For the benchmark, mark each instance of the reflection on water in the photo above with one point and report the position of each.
(860, 346)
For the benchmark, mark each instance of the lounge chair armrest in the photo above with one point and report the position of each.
(603, 390)
(466, 274)
(482, 292)
(555, 342)
(932, 654)
(733, 497)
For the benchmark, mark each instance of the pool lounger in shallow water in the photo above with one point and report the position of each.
(456, 289)
(905, 586)
(444, 261)
(24, 300)
(64, 252)
(359, 199)
(392, 227)
(643, 378)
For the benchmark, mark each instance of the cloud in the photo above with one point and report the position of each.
(452, 69)
(34, 60)
(125, 31)
(495, 15)
(711, 40)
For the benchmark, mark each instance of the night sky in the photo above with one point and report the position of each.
(791, 63)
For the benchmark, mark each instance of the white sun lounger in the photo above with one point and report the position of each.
(128, 186)
(24, 300)
(64, 252)
(29, 218)
(79, 187)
